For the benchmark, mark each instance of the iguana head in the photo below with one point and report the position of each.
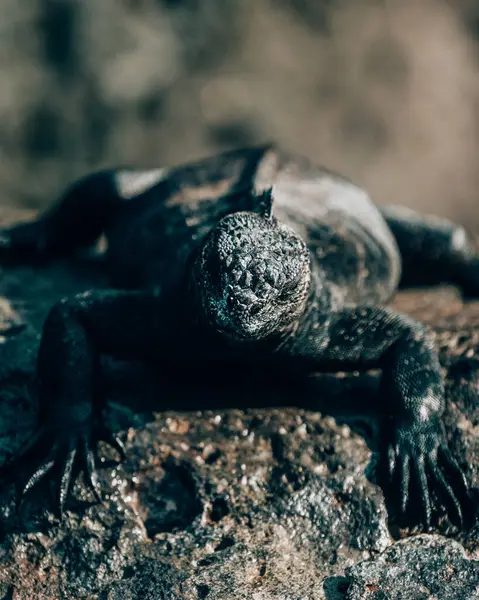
(253, 274)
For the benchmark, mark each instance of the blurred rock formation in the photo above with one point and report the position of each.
(385, 91)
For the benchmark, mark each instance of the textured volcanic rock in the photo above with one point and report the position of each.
(420, 568)
(233, 487)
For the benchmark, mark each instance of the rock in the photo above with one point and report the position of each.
(151, 580)
(421, 568)
(254, 491)
(10, 320)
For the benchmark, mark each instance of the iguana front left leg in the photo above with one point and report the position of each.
(416, 458)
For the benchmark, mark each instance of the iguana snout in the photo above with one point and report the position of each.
(253, 275)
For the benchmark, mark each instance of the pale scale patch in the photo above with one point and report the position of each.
(130, 184)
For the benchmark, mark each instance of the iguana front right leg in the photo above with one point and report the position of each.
(76, 221)
(77, 331)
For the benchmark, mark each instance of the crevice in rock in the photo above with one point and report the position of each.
(172, 503)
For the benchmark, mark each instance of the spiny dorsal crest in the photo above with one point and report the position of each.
(264, 203)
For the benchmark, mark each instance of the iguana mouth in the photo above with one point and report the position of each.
(244, 330)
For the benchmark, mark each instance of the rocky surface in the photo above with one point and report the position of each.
(422, 568)
(232, 489)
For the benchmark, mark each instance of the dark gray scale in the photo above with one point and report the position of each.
(345, 232)
(164, 214)
(155, 219)
(167, 213)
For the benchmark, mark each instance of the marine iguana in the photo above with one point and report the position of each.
(253, 257)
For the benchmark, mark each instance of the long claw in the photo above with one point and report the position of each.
(90, 473)
(405, 476)
(391, 461)
(65, 480)
(445, 490)
(421, 479)
(115, 442)
(454, 470)
(37, 476)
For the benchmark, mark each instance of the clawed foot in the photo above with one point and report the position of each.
(419, 467)
(47, 454)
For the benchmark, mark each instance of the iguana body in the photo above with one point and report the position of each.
(250, 257)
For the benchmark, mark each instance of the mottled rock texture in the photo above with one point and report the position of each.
(232, 489)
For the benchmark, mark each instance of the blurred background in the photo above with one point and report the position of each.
(384, 91)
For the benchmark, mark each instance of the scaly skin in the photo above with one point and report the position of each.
(251, 259)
